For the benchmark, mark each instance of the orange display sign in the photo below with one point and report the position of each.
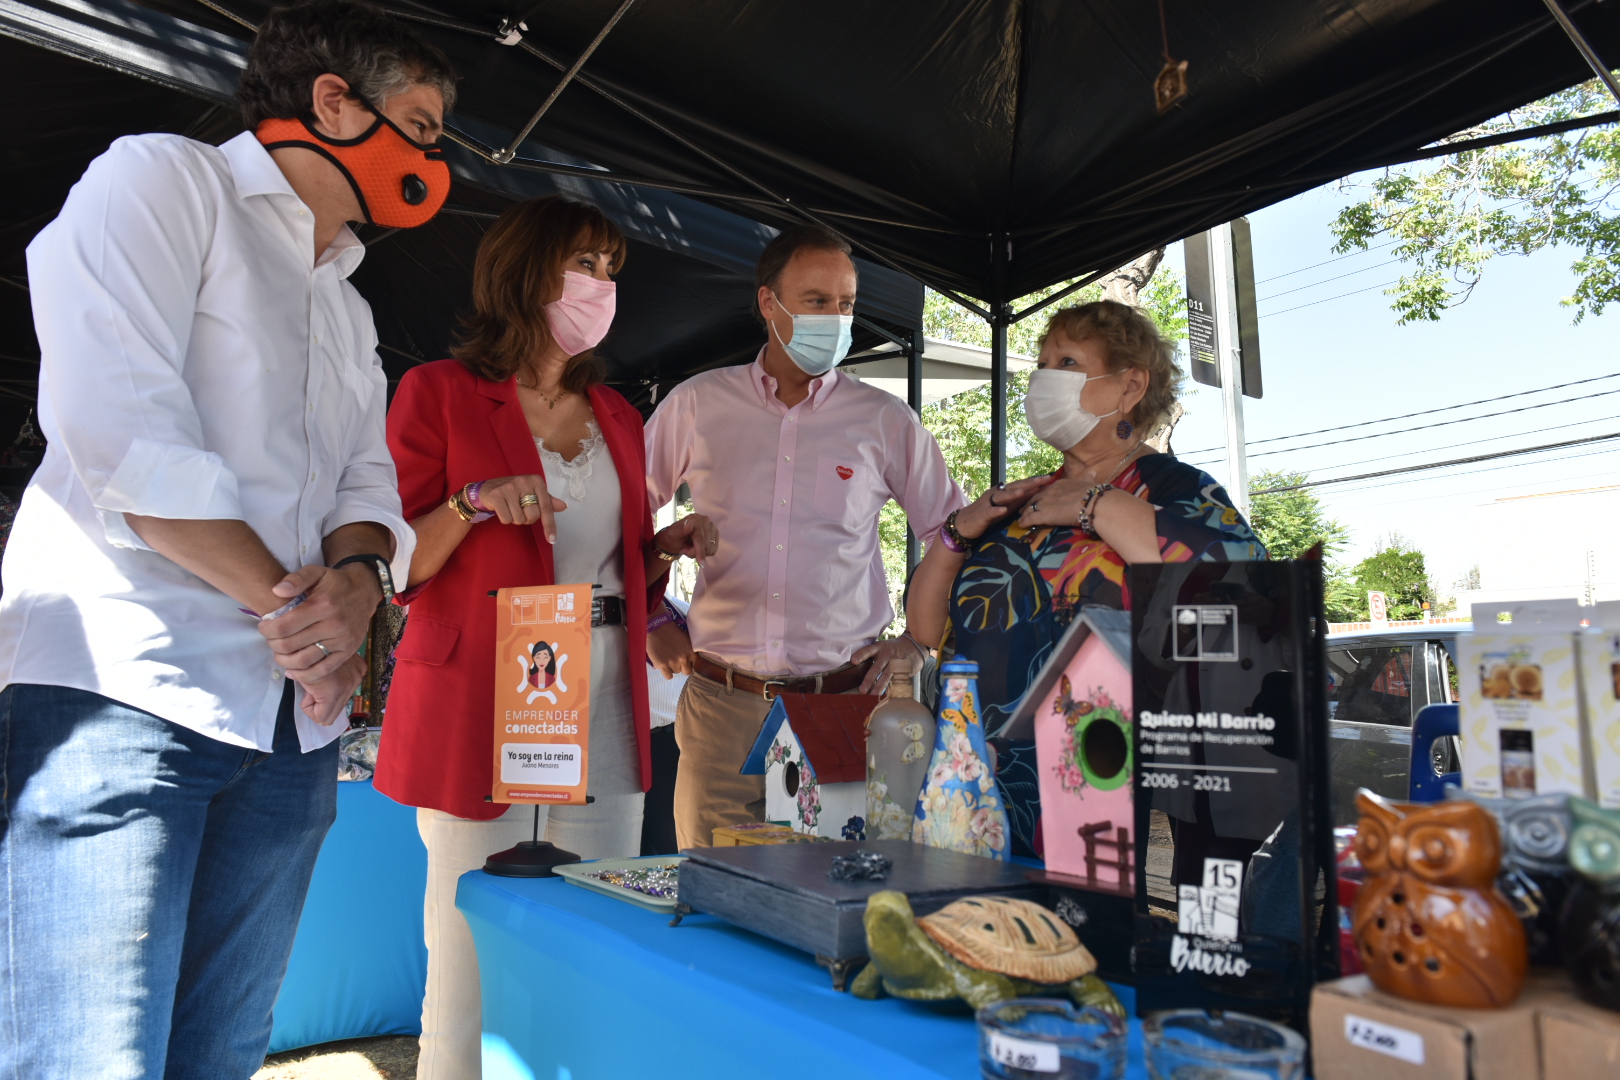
(542, 694)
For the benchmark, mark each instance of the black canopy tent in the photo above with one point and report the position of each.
(684, 293)
(985, 147)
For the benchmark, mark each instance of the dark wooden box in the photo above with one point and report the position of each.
(782, 891)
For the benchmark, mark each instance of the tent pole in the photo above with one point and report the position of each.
(503, 156)
(1579, 39)
(914, 359)
(1001, 311)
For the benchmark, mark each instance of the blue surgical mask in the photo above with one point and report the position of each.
(819, 341)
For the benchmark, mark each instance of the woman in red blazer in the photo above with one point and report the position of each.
(517, 467)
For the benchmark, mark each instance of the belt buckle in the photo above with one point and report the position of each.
(765, 689)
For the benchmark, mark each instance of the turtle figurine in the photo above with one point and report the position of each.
(980, 949)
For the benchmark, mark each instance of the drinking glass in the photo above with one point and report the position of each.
(1047, 1039)
(1191, 1044)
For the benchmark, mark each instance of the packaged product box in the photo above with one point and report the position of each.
(1361, 1033)
(1600, 675)
(1519, 712)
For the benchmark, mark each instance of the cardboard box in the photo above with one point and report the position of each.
(1361, 1033)
(1577, 1039)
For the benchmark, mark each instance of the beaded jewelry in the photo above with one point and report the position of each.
(954, 541)
(1085, 521)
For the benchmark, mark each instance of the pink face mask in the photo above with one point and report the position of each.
(580, 318)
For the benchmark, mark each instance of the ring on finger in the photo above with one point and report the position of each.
(529, 500)
(325, 652)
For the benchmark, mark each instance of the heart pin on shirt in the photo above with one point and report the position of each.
(845, 472)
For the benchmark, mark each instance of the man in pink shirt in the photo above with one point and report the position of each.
(793, 461)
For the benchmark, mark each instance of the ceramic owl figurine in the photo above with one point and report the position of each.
(1429, 921)
(1591, 922)
(1535, 864)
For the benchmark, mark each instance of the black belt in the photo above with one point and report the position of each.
(607, 611)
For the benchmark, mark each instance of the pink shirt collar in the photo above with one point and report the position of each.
(765, 385)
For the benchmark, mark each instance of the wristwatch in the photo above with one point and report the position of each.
(385, 576)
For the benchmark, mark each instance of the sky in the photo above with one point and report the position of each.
(1331, 359)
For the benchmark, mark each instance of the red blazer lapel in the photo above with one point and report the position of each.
(511, 430)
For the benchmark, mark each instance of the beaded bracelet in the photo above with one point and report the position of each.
(1086, 525)
(953, 540)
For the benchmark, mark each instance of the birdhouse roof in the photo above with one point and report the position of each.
(1113, 627)
(830, 729)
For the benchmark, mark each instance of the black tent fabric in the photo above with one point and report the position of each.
(684, 294)
(993, 147)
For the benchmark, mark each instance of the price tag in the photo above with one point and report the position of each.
(1394, 1041)
(1023, 1054)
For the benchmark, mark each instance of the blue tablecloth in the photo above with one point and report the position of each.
(359, 965)
(578, 986)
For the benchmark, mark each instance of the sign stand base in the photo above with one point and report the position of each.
(529, 858)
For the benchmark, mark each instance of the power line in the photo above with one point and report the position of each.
(1324, 281)
(1410, 415)
(1475, 491)
(1313, 303)
(1468, 442)
(1439, 464)
(1438, 423)
(1340, 258)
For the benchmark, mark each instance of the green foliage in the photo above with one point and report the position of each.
(1397, 570)
(1447, 218)
(1290, 522)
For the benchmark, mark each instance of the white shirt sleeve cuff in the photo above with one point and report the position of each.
(351, 510)
(164, 480)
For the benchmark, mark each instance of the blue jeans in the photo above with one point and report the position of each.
(151, 882)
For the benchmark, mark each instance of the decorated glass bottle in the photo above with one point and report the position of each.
(897, 742)
(960, 807)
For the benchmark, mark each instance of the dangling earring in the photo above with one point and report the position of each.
(1124, 428)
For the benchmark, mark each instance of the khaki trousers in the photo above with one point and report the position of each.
(715, 727)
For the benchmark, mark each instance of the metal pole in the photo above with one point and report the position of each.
(914, 391)
(1592, 58)
(503, 156)
(1001, 311)
(1228, 353)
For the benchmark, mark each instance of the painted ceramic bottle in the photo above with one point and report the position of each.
(897, 743)
(960, 807)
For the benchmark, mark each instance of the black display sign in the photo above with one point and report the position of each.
(1236, 907)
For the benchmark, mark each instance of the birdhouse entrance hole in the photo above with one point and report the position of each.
(1104, 749)
(790, 778)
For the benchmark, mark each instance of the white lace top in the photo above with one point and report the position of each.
(590, 533)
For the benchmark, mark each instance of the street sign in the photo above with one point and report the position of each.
(1378, 605)
(1204, 264)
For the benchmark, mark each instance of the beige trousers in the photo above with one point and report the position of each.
(610, 827)
(452, 1014)
(715, 728)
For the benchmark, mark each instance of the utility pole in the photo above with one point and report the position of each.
(1229, 358)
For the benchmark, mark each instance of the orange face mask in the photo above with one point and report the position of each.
(400, 183)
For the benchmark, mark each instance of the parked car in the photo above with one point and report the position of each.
(1378, 681)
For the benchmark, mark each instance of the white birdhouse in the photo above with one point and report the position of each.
(812, 752)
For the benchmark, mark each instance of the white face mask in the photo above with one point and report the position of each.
(1053, 407)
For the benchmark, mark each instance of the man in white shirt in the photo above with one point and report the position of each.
(793, 461)
(214, 409)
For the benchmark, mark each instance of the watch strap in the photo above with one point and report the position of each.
(379, 563)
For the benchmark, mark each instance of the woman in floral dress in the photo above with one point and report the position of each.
(1011, 570)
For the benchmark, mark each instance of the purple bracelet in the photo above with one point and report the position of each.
(950, 537)
(472, 497)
